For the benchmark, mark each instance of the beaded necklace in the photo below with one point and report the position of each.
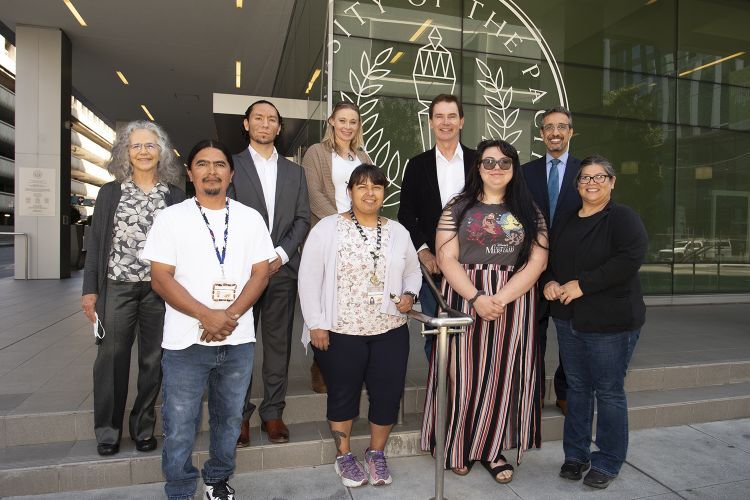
(374, 253)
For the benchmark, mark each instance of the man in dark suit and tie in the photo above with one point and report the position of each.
(551, 180)
(275, 187)
(431, 179)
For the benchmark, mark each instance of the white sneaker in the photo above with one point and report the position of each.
(350, 470)
(219, 491)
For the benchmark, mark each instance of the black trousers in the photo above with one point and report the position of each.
(560, 384)
(275, 311)
(128, 305)
(377, 360)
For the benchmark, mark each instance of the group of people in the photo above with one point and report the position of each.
(192, 278)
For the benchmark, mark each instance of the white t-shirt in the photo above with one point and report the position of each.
(341, 170)
(180, 238)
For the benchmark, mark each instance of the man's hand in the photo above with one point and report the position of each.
(274, 266)
(429, 261)
(88, 304)
(488, 307)
(320, 339)
(218, 324)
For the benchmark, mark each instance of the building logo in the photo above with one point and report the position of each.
(515, 76)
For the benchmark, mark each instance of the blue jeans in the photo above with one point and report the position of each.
(429, 307)
(595, 365)
(226, 370)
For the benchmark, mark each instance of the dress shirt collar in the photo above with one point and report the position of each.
(257, 157)
(459, 152)
(563, 158)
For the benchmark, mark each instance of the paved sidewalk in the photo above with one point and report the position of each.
(706, 461)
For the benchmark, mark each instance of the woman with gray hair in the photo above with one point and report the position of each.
(117, 295)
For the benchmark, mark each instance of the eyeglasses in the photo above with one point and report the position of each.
(561, 127)
(503, 163)
(150, 146)
(598, 178)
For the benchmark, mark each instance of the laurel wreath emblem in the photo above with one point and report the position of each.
(364, 88)
(501, 122)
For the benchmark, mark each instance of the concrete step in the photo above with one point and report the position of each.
(74, 465)
(24, 427)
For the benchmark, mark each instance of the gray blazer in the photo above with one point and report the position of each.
(291, 220)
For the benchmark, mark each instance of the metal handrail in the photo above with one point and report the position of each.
(26, 250)
(448, 321)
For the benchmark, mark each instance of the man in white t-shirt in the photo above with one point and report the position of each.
(209, 262)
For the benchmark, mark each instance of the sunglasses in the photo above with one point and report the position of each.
(503, 163)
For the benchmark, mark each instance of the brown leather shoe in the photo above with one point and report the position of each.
(563, 405)
(316, 379)
(244, 440)
(277, 431)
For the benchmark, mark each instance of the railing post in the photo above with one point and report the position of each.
(442, 406)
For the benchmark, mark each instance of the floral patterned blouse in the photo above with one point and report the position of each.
(133, 219)
(357, 313)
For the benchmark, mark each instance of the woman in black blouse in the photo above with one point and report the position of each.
(596, 302)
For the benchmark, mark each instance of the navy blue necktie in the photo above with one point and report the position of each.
(553, 188)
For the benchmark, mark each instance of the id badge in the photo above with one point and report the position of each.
(224, 291)
(374, 294)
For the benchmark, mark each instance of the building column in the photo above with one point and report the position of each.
(42, 202)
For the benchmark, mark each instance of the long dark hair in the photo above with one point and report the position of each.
(517, 197)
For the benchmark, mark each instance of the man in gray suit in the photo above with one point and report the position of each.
(275, 187)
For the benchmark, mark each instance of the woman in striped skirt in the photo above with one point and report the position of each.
(491, 247)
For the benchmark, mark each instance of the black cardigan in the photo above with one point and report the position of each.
(607, 261)
(99, 240)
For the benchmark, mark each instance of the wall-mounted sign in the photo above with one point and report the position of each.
(36, 192)
(393, 58)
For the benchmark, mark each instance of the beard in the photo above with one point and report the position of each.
(212, 191)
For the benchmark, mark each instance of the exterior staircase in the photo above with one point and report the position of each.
(55, 451)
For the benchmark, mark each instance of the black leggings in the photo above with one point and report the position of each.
(377, 360)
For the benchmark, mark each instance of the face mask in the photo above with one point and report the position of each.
(98, 324)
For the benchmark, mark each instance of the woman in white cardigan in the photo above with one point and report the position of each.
(352, 264)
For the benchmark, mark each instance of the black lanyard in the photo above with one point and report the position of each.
(221, 256)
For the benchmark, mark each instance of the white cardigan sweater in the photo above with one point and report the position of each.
(317, 274)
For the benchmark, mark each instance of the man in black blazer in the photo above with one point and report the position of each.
(551, 180)
(431, 179)
(275, 187)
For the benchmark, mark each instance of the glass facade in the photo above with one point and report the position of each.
(660, 87)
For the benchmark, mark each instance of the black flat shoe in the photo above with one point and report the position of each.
(105, 449)
(573, 470)
(495, 471)
(596, 479)
(145, 444)
(465, 471)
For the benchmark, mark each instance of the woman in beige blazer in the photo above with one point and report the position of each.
(328, 166)
(329, 163)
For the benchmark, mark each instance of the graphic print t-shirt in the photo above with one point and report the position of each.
(487, 234)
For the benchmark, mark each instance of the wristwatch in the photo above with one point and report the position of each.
(476, 296)
(412, 294)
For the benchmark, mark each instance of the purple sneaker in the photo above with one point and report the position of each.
(350, 470)
(377, 468)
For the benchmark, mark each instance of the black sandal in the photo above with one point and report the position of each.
(468, 467)
(494, 471)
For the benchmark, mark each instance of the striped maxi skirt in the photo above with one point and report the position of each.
(494, 389)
